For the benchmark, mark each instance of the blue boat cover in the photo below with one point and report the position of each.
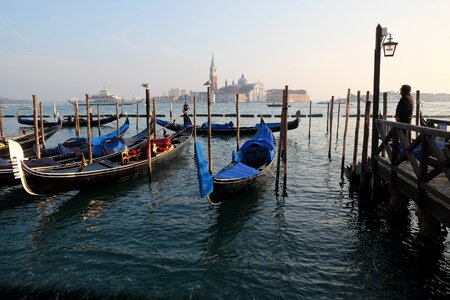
(219, 126)
(263, 138)
(113, 146)
(417, 151)
(238, 170)
(96, 140)
(205, 179)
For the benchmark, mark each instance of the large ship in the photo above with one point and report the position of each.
(106, 98)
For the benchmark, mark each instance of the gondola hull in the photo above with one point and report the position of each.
(224, 189)
(101, 173)
(70, 122)
(27, 141)
(71, 159)
(232, 131)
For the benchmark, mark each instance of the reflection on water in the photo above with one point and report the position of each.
(228, 221)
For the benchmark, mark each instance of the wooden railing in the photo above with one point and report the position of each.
(432, 160)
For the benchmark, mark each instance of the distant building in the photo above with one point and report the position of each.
(276, 96)
(248, 92)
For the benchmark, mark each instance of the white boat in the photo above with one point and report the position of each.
(106, 98)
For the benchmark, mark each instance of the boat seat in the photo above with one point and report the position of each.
(158, 146)
(127, 155)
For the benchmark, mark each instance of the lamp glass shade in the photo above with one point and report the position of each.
(389, 48)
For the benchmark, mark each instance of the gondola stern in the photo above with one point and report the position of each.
(17, 157)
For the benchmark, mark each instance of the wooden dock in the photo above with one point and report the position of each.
(418, 169)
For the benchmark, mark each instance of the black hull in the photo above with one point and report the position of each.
(230, 131)
(68, 160)
(52, 182)
(68, 123)
(27, 141)
(224, 189)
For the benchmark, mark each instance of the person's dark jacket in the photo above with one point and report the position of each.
(404, 109)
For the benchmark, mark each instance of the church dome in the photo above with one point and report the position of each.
(242, 80)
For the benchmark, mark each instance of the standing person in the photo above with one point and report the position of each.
(405, 107)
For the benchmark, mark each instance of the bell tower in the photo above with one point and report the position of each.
(213, 74)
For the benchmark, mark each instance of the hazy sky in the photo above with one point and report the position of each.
(64, 49)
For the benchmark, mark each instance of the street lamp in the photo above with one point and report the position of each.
(389, 50)
(389, 46)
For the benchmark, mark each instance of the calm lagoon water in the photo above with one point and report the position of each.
(162, 240)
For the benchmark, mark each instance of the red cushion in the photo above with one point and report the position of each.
(164, 142)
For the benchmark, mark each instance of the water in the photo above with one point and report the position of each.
(163, 240)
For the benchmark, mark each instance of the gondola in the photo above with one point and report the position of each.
(77, 144)
(26, 141)
(249, 168)
(230, 129)
(106, 171)
(71, 157)
(69, 121)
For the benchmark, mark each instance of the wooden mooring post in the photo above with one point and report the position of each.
(337, 119)
(331, 126)
(328, 117)
(98, 120)
(36, 128)
(149, 130)
(417, 110)
(2, 135)
(309, 127)
(364, 163)
(285, 129)
(88, 120)
(41, 117)
(347, 111)
(355, 144)
(77, 120)
(137, 116)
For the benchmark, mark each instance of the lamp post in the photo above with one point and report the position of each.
(389, 50)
